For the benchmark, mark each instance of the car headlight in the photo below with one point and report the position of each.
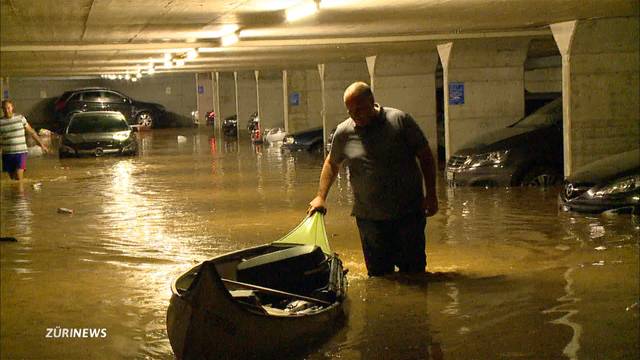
(487, 159)
(288, 140)
(121, 135)
(626, 184)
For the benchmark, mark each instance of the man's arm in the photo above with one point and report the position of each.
(427, 165)
(35, 137)
(327, 177)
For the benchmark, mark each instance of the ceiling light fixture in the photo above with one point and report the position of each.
(229, 39)
(302, 10)
(191, 54)
(180, 62)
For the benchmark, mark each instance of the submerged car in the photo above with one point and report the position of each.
(528, 152)
(612, 183)
(98, 133)
(138, 113)
(309, 140)
(230, 126)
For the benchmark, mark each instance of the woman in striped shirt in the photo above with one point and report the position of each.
(14, 142)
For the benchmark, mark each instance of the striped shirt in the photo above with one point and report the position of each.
(12, 135)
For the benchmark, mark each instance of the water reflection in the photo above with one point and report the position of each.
(514, 265)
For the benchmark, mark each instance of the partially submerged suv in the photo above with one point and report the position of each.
(528, 152)
(138, 113)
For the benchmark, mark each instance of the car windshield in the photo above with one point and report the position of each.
(546, 115)
(97, 123)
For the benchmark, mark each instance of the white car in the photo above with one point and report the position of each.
(274, 135)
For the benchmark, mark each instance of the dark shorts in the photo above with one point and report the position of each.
(390, 243)
(13, 162)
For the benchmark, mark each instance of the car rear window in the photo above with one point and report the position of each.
(97, 123)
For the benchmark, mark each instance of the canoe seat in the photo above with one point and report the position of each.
(297, 269)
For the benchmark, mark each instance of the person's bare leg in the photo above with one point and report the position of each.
(19, 174)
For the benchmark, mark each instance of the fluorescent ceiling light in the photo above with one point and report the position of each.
(192, 54)
(213, 32)
(300, 11)
(180, 62)
(229, 39)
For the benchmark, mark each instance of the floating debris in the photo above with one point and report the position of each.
(65, 211)
(8, 239)
(632, 306)
(601, 248)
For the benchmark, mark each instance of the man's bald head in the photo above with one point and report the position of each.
(358, 90)
(358, 98)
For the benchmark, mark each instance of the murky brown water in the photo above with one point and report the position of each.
(515, 278)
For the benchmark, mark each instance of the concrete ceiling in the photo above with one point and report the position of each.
(92, 37)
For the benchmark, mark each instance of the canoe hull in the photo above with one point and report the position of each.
(207, 323)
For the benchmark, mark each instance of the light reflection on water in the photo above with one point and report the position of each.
(506, 263)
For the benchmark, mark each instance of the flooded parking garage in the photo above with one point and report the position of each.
(510, 276)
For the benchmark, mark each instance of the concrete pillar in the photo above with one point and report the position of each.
(235, 79)
(323, 111)
(256, 73)
(285, 99)
(408, 82)
(371, 66)
(337, 77)
(216, 100)
(483, 83)
(197, 115)
(600, 88)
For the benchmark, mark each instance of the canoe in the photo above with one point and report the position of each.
(260, 302)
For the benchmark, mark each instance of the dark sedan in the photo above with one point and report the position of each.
(528, 152)
(98, 133)
(137, 113)
(309, 140)
(612, 183)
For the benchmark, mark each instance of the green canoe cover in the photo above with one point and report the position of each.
(309, 232)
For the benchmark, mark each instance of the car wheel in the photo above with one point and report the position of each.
(144, 119)
(541, 176)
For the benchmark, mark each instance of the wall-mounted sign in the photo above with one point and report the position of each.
(43, 94)
(456, 93)
(294, 99)
(200, 89)
(167, 90)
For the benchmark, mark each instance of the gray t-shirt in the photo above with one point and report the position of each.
(381, 157)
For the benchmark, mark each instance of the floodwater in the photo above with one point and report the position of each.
(511, 277)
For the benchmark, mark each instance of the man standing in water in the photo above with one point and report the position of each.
(14, 142)
(380, 146)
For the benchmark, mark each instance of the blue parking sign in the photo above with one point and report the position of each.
(294, 99)
(456, 93)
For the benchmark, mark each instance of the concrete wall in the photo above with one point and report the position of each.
(306, 114)
(601, 88)
(206, 98)
(408, 82)
(227, 95)
(271, 101)
(338, 76)
(247, 100)
(492, 73)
